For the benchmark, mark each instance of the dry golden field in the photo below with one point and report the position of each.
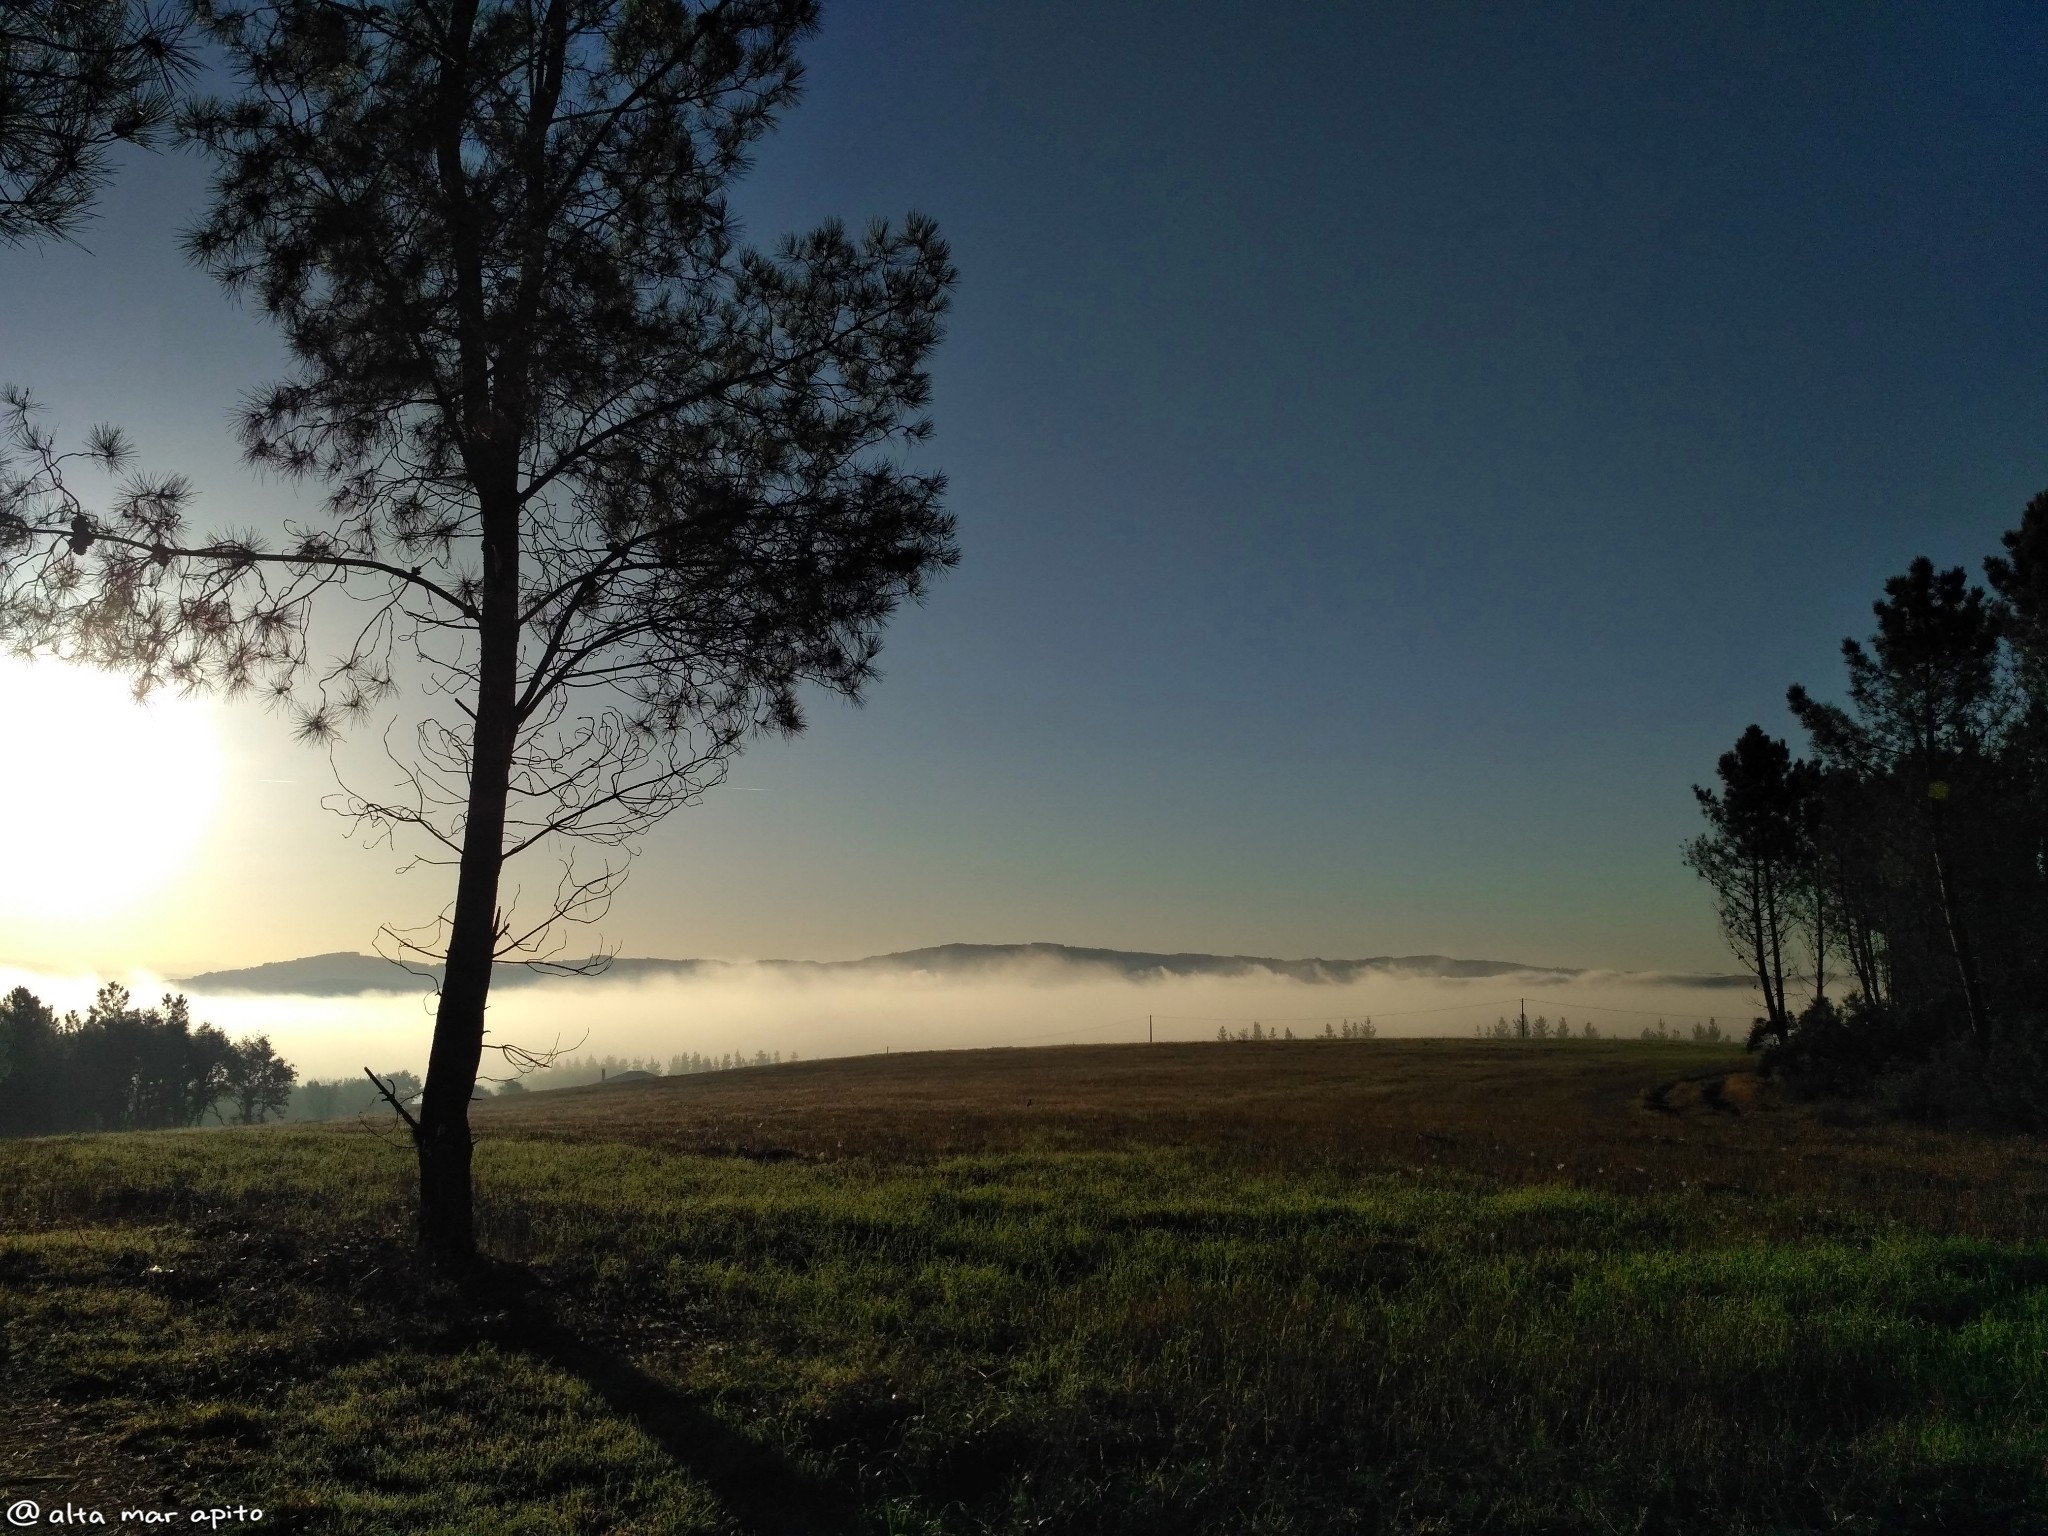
(1623, 1116)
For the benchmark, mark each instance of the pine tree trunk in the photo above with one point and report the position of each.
(1760, 948)
(1958, 938)
(1862, 958)
(447, 1229)
(1774, 920)
(1820, 946)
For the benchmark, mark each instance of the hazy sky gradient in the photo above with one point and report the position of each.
(1397, 448)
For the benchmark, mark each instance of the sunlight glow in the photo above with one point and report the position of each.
(106, 799)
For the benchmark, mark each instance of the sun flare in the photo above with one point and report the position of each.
(106, 799)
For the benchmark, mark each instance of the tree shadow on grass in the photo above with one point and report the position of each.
(518, 1310)
(759, 1486)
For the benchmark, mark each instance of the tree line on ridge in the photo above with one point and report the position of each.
(1889, 890)
(123, 1068)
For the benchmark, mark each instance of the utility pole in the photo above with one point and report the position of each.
(1148, 1029)
(1525, 1018)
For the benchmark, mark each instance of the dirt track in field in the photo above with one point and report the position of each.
(1620, 1115)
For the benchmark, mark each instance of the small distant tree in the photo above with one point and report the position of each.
(136, 1069)
(259, 1083)
(123, 1068)
(32, 1093)
(336, 1098)
(314, 1100)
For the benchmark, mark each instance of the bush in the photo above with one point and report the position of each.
(1920, 1064)
(1834, 1050)
(2004, 1089)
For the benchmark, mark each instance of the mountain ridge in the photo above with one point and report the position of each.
(346, 973)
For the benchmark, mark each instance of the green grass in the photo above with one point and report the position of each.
(1151, 1339)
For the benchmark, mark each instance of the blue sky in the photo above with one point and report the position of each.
(1396, 449)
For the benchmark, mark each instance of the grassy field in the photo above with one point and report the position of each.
(1296, 1287)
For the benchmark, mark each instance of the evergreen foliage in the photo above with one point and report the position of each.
(77, 77)
(1908, 856)
(123, 1068)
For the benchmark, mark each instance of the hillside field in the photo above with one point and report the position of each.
(1312, 1286)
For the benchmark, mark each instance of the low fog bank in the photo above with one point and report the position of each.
(716, 1009)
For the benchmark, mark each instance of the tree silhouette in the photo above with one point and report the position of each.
(123, 1068)
(136, 1069)
(258, 1081)
(1926, 716)
(610, 485)
(2020, 578)
(76, 78)
(1750, 858)
(1920, 831)
(1847, 895)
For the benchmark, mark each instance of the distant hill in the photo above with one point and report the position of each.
(341, 974)
(346, 974)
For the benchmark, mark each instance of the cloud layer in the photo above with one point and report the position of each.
(947, 998)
